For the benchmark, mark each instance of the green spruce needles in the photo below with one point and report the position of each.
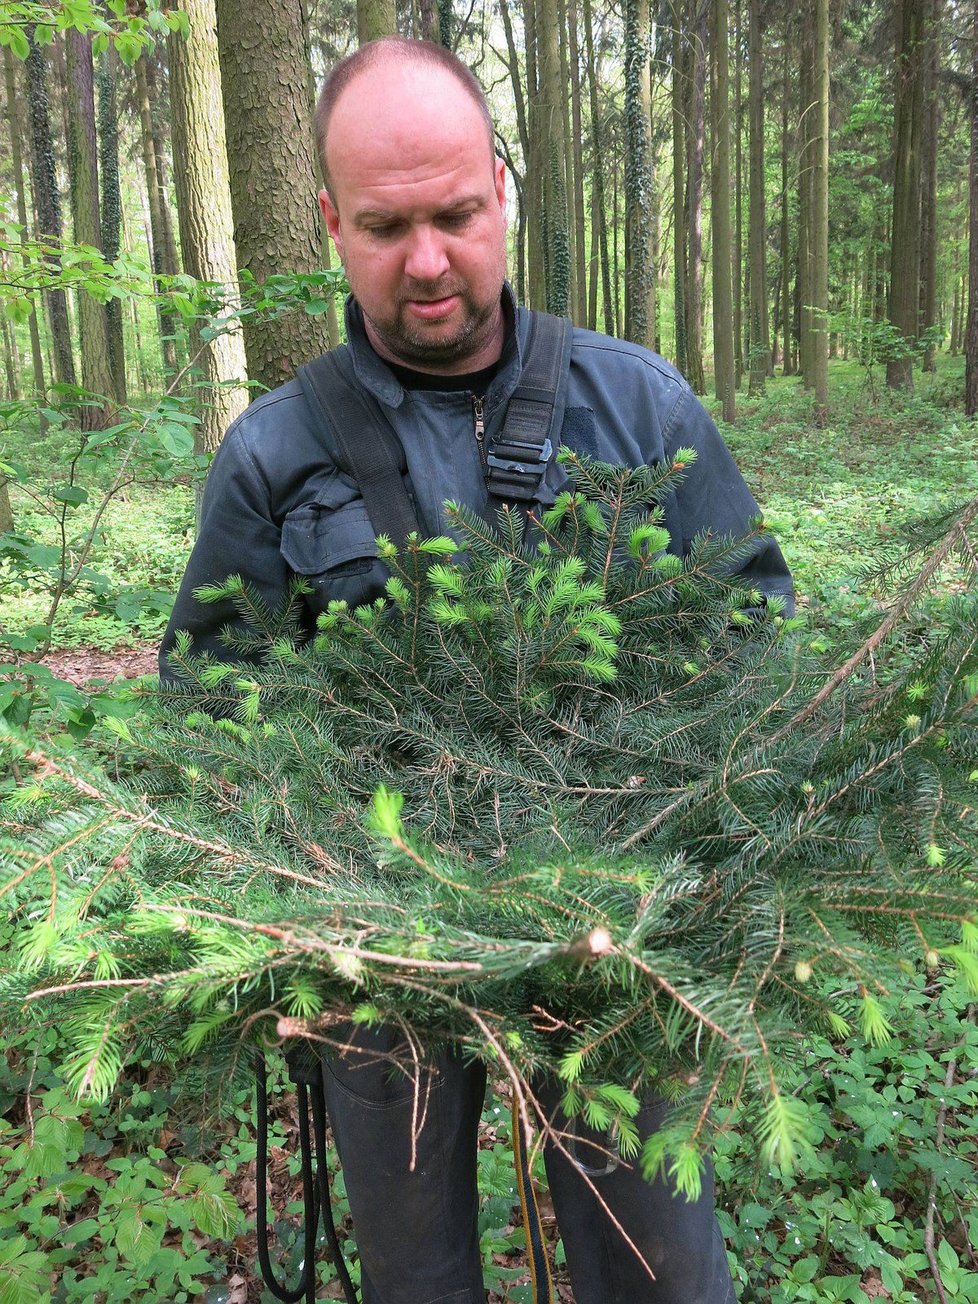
(582, 807)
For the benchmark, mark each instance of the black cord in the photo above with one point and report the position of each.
(319, 1135)
(307, 1278)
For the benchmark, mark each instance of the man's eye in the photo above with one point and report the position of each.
(385, 232)
(455, 221)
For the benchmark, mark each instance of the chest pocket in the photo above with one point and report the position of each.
(329, 541)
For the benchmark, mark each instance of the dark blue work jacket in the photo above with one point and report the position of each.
(275, 505)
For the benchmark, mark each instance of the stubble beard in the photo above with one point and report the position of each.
(413, 346)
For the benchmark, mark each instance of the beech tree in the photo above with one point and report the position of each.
(204, 206)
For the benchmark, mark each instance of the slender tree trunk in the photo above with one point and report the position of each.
(430, 30)
(738, 266)
(111, 212)
(270, 156)
(48, 202)
(204, 208)
(679, 101)
(928, 179)
(155, 200)
(6, 511)
(805, 169)
(10, 356)
(820, 218)
(971, 327)
(760, 344)
(577, 139)
(640, 268)
(905, 230)
(723, 343)
(535, 163)
(568, 152)
(598, 199)
(694, 200)
(549, 154)
(786, 314)
(375, 18)
(96, 361)
(17, 134)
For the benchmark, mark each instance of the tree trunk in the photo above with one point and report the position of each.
(549, 156)
(374, 18)
(738, 264)
(640, 268)
(93, 325)
(17, 133)
(535, 156)
(48, 203)
(819, 235)
(430, 30)
(723, 344)
(905, 230)
(577, 138)
(204, 208)
(568, 151)
(805, 146)
(597, 182)
(108, 127)
(694, 200)
(928, 186)
(786, 314)
(759, 355)
(270, 156)
(680, 99)
(971, 327)
(155, 199)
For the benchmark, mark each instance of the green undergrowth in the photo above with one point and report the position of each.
(151, 1196)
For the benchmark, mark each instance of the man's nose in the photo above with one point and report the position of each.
(426, 257)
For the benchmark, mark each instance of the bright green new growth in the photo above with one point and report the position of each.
(570, 806)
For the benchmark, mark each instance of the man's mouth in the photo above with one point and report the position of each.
(432, 309)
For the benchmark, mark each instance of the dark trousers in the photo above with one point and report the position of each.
(407, 1144)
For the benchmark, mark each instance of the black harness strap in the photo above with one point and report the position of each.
(364, 444)
(518, 456)
(368, 447)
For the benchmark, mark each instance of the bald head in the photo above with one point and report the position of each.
(385, 59)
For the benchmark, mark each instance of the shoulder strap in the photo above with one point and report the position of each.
(364, 444)
(518, 455)
(367, 445)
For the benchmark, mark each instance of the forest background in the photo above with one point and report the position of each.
(782, 201)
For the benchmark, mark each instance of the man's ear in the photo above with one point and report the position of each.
(332, 219)
(500, 183)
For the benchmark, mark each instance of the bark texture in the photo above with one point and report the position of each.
(204, 207)
(111, 206)
(93, 325)
(47, 201)
(17, 134)
(905, 230)
(272, 171)
(156, 200)
(759, 353)
(640, 268)
(723, 342)
(820, 217)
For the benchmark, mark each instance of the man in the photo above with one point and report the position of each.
(415, 204)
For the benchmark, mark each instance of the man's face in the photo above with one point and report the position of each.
(416, 212)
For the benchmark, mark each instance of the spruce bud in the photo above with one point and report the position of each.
(803, 971)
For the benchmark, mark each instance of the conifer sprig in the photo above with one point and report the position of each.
(578, 805)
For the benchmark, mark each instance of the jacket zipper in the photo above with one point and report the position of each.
(480, 429)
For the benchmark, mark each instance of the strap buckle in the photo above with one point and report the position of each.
(516, 468)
